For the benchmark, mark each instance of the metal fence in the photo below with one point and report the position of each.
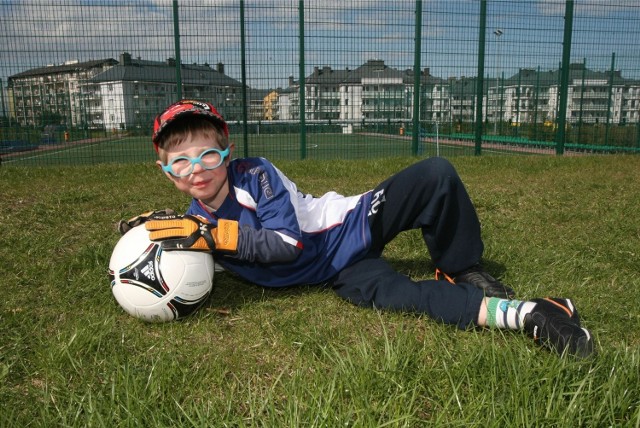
(82, 80)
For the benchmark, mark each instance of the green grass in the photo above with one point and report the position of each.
(272, 146)
(69, 356)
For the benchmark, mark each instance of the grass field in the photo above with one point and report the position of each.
(69, 356)
(272, 146)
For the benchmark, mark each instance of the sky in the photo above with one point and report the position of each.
(338, 33)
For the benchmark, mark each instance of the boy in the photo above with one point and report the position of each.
(258, 225)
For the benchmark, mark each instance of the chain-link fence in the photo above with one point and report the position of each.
(81, 81)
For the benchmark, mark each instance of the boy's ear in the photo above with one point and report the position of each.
(232, 148)
(159, 165)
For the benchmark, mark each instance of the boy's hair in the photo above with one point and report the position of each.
(183, 118)
(185, 127)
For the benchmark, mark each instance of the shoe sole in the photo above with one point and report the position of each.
(584, 345)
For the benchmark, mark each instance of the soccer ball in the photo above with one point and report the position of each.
(156, 285)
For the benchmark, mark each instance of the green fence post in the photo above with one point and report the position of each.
(243, 60)
(450, 91)
(535, 107)
(559, 83)
(303, 130)
(480, 74)
(584, 72)
(608, 124)
(416, 79)
(518, 93)
(564, 80)
(176, 38)
(501, 112)
(4, 112)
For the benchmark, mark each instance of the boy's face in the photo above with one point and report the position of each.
(209, 186)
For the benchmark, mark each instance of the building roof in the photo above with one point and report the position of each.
(464, 85)
(531, 77)
(65, 68)
(255, 94)
(164, 72)
(326, 75)
(373, 68)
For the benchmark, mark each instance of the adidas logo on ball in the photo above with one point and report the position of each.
(148, 271)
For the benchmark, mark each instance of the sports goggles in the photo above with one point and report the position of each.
(183, 165)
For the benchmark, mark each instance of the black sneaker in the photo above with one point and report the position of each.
(555, 323)
(478, 277)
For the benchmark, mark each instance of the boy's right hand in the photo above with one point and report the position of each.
(194, 233)
(125, 226)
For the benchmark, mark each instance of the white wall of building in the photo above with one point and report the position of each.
(351, 102)
(112, 95)
(284, 106)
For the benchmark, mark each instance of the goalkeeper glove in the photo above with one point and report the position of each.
(194, 233)
(125, 226)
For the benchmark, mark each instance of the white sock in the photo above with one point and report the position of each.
(507, 314)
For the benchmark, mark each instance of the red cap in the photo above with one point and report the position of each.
(182, 108)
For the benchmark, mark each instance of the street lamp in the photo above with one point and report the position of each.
(498, 33)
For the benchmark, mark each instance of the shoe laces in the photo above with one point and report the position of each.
(439, 275)
(568, 311)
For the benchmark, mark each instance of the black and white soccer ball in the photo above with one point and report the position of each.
(156, 285)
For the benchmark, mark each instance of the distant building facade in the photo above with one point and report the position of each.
(130, 94)
(54, 90)
(377, 92)
(373, 91)
(117, 95)
(127, 93)
(269, 106)
(533, 96)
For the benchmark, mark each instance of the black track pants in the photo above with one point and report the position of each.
(429, 196)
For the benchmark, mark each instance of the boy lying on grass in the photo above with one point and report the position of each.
(259, 225)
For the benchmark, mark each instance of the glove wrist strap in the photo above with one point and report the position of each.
(226, 235)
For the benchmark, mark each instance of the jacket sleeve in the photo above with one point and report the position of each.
(264, 246)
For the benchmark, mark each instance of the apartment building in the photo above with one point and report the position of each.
(593, 97)
(52, 92)
(371, 92)
(131, 93)
(376, 92)
(126, 94)
(117, 95)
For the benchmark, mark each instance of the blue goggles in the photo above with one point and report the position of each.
(183, 165)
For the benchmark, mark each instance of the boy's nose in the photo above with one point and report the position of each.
(197, 168)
